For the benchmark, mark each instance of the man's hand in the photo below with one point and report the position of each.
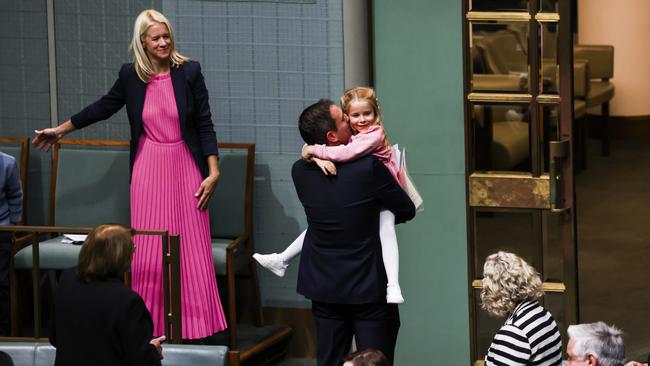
(634, 363)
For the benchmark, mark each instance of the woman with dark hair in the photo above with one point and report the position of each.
(369, 357)
(97, 319)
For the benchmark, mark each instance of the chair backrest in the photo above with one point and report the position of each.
(186, 354)
(22, 353)
(231, 206)
(18, 147)
(43, 354)
(502, 52)
(90, 183)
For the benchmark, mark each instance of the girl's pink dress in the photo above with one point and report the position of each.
(370, 141)
(164, 181)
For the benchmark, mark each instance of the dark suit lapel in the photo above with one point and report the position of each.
(178, 81)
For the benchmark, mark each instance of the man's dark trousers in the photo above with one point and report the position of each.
(374, 326)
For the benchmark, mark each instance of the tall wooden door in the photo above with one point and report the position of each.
(518, 118)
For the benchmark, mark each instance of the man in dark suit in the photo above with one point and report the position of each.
(341, 265)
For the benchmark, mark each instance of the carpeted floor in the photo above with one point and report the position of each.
(613, 200)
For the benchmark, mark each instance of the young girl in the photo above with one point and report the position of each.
(360, 104)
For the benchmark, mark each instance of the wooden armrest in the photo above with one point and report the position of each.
(233, 244)
(22, 240)
(580, 78)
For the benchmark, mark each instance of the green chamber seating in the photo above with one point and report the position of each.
(231, 225)
(89, 187)
(42, 354)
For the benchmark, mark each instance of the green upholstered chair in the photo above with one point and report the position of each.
(43, 354)
(231, 226)
(601, 90)
(89, 186)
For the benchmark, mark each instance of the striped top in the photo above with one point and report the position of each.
(530, 336)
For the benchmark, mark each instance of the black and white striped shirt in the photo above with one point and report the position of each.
(529, 337)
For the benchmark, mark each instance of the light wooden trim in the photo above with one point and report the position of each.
(546, 286)
(549, 99)
(547, 17)
(500, 16)
(499, 97)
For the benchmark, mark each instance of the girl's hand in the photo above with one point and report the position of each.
(205, 191)
(325, 165)
(307, 152)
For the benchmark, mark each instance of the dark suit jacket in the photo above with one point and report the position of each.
(341, 260)
(100, 323)
(191, 100)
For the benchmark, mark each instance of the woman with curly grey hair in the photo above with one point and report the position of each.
(529, 336)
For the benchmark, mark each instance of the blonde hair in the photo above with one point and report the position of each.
(141, 61)
(508, 281)
(368, 95)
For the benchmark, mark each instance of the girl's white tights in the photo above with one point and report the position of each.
(389, 252)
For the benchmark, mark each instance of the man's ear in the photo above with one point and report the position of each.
(331, 137)
(593, 361)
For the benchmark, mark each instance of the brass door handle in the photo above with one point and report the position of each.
(558, 154)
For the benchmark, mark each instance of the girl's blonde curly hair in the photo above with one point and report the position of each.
(508, 281)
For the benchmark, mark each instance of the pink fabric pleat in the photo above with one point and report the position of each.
(164, 181)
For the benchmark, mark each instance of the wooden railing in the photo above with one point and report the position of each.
(31, 235)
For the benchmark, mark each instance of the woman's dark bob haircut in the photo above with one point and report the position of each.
(106, 253)
(368, 357)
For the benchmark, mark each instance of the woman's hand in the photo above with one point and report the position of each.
(205, 191)
(157, 342)
(47, 137)
(325, 165)
(307, 152)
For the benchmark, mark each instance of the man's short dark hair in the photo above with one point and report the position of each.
(315, 121)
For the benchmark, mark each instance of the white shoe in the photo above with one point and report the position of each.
(272, 262)
(394, 295)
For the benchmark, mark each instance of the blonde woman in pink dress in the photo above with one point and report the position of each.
(360, 104)
(174, 169)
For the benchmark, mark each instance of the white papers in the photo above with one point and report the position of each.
(408, 184)
(74, 238)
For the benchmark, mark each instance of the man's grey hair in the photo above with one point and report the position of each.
(600, 340)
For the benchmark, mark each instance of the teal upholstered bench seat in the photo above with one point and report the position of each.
(42, 354)
(53, 254)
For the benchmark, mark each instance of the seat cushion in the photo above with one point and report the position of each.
(186, 354)
(579, 108)
(22, 353)
(53, 254)
(45, 354)
(599, 93)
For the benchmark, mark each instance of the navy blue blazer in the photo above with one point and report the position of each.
(191, 100)
(341, 260)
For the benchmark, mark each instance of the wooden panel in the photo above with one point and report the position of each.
(512, 190)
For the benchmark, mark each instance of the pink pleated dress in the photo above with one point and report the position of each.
(164, 181)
